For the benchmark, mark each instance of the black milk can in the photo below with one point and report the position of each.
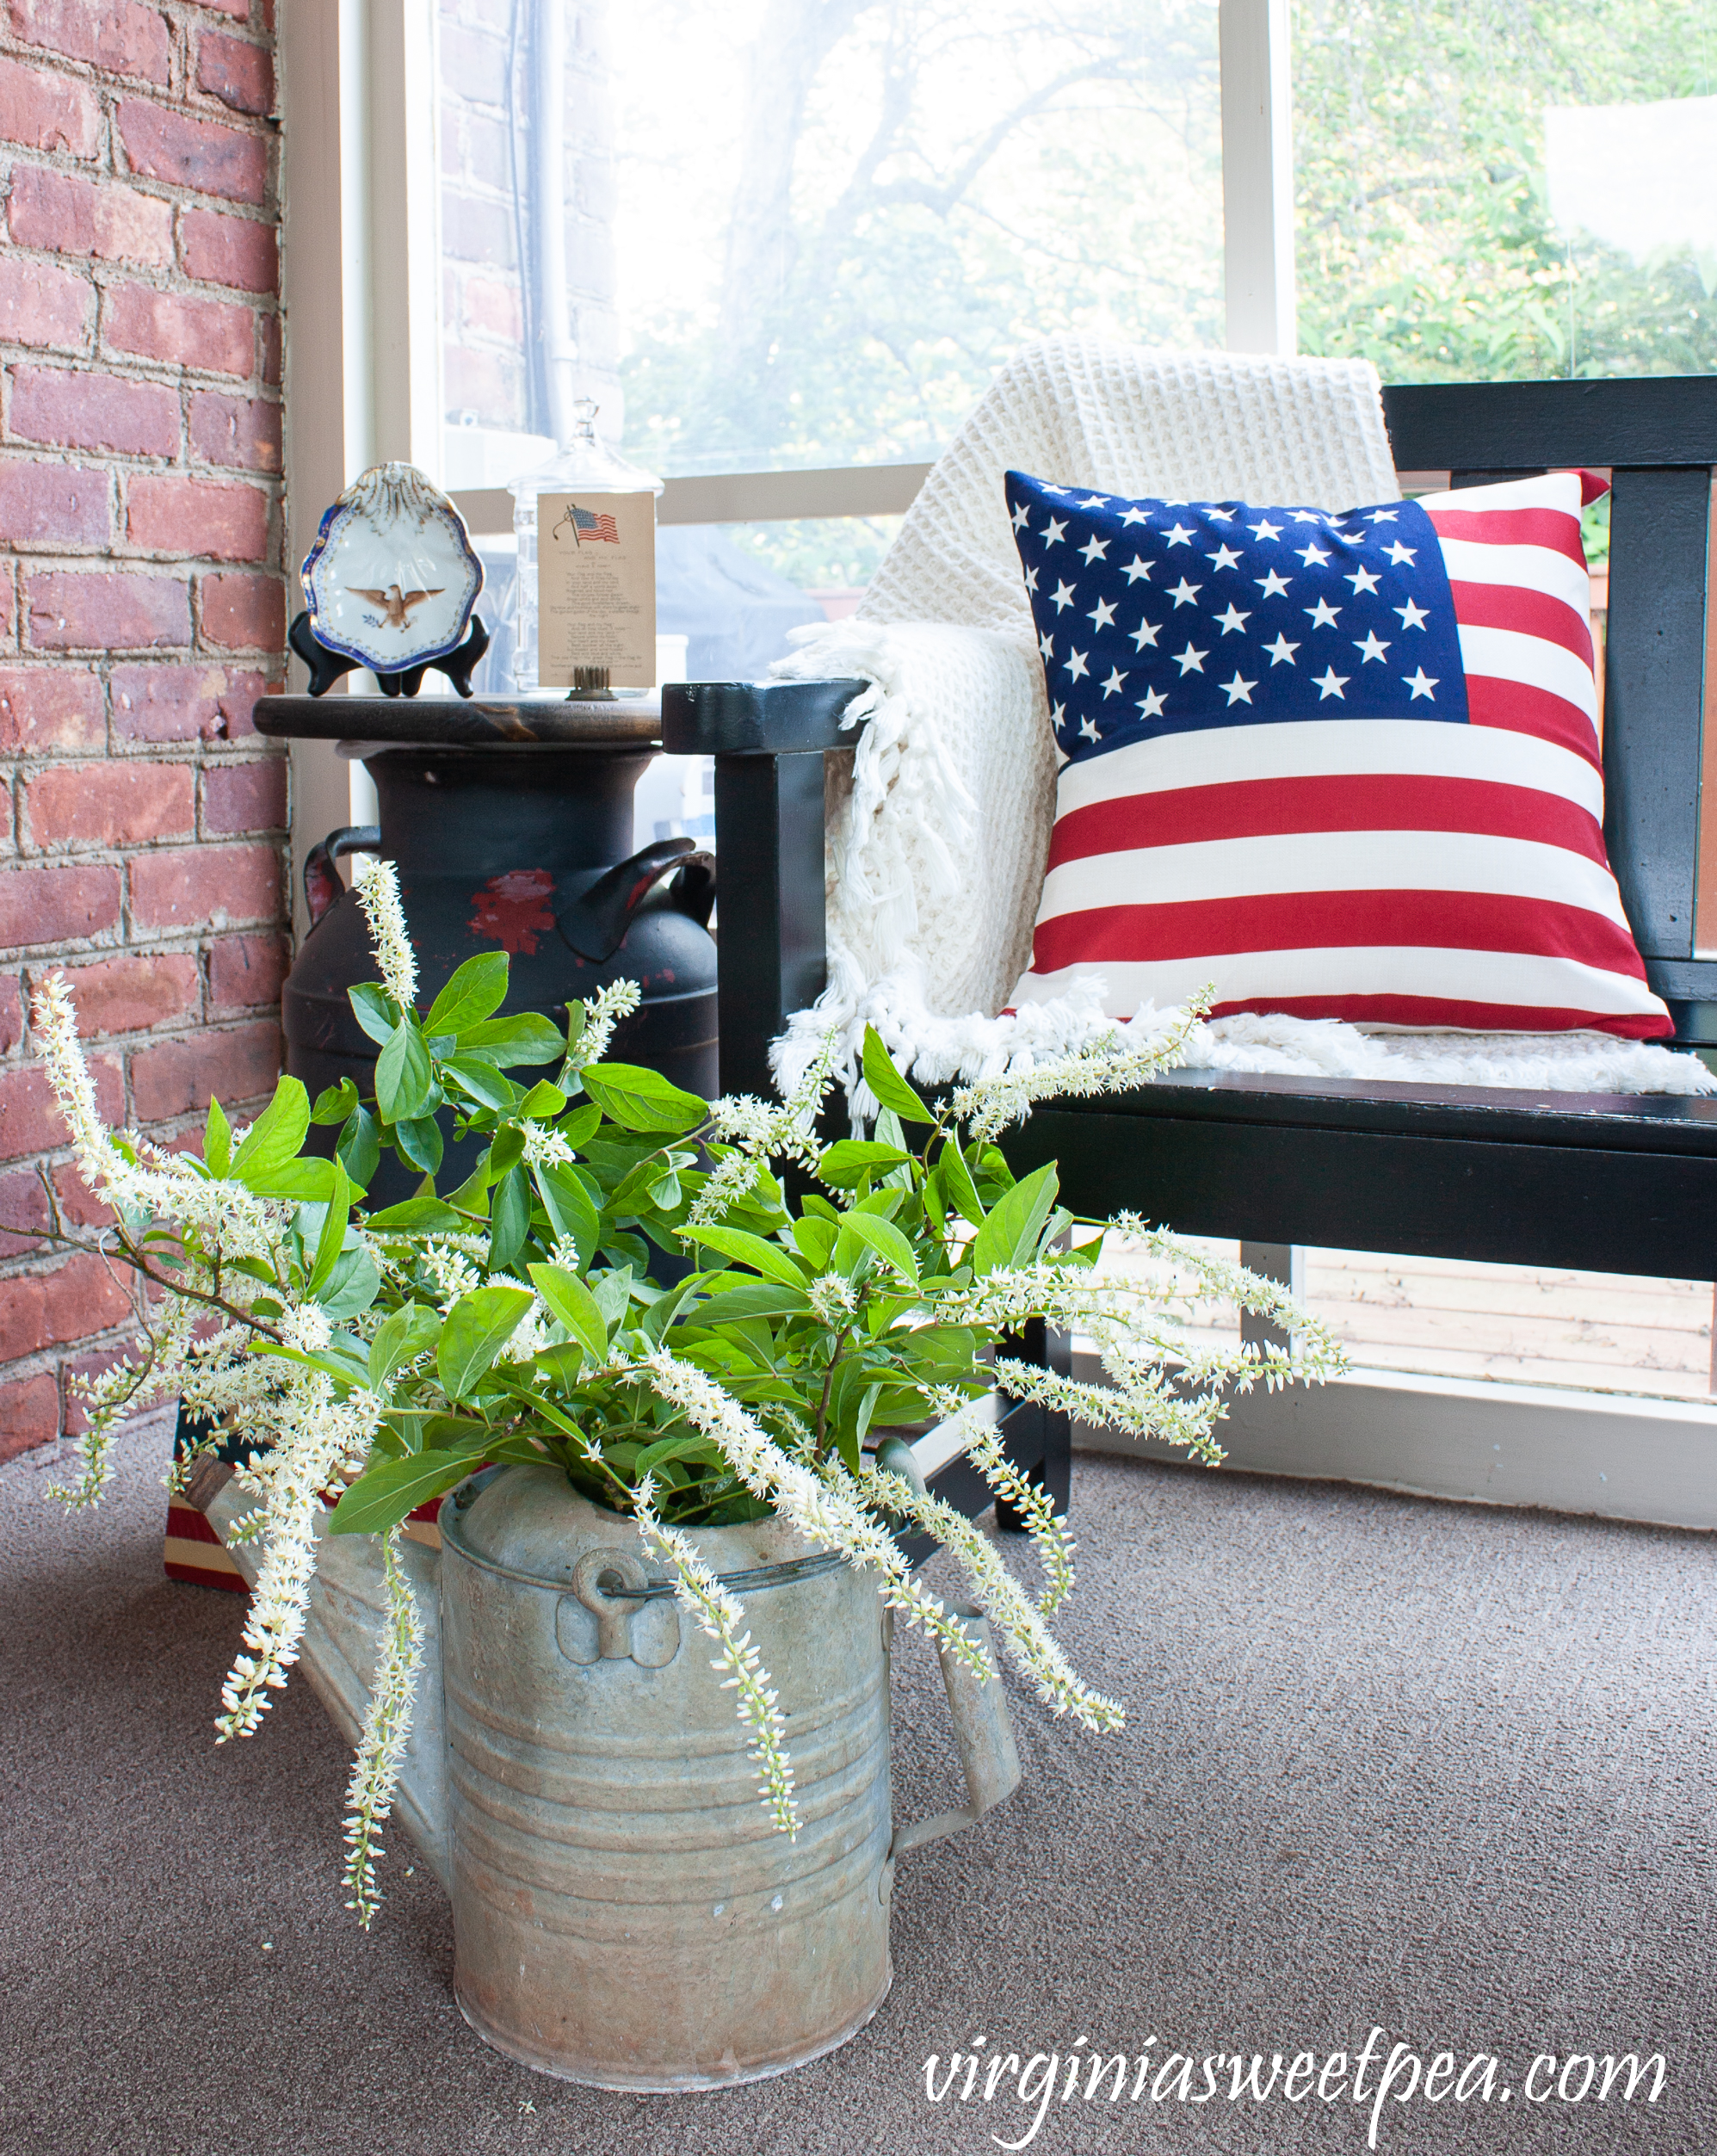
(520, 845)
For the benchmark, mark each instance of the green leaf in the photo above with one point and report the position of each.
(956, 1178)
(402, 1075)
(849, 1159)
(217, 1140)
(543, 1103)
(891, 1089)
(816, 1239)
(310, 1179)
(472, 1194)
(510, 1218)
(667, 1448)
(400, 1339)
(577, 1308)
(275, 1136)
(878, 1235)
(335, 1102)
(751, 1299)
(506, 1150)
(330, 1365)
(482, 1081)
(420, 1142)
(354, 1284)
(374, 1009)
(767, 1258)
(639, 1099)
(570, 1208)
(331, 1240)
(611, 1291)
(383, 1496)
(478, 1327)
(477, 990)
(418, 1216)
(583, 1122)
(359, 1150)
(1009, 1236)
(505, 1041)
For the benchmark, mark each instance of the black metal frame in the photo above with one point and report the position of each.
(1613, 1184)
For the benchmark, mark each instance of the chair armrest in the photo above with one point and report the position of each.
(757, 718)
(768, 740)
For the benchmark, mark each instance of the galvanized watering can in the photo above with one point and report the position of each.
(624, 1912)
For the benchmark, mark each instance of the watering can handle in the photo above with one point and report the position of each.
(983, 1733)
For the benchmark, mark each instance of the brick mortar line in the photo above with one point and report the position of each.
(179, 90)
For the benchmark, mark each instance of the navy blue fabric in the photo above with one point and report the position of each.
(1160, 617)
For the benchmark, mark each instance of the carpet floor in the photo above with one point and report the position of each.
(1437, 1770)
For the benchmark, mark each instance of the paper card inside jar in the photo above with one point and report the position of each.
(596, 588)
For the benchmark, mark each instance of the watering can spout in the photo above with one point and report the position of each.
(347, 1601)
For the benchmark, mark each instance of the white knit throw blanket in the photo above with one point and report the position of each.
(939, 823)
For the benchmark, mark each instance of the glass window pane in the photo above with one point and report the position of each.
(1496, 188)
(799, 232)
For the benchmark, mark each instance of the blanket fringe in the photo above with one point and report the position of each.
(938, 1049)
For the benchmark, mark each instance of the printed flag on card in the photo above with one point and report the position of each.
(1337, 765)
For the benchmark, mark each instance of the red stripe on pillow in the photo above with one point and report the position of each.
(1433, 1012)
(1263, 808)
(1550, 528)
(1502, 606)
(1519, 707)
(1330, 920)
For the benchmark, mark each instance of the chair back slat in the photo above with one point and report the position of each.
(1654, 699)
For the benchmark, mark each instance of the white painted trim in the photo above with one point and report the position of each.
(323, 203)
(402, 291)
(1257, 175)
(1616, 1456)
(360, 259)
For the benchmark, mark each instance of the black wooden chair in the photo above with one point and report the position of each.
(1611, 1184)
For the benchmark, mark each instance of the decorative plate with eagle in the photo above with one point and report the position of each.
(391, 579)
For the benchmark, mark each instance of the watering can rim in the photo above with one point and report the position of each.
(754, 1580)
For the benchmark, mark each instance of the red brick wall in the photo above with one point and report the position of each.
(142, 607)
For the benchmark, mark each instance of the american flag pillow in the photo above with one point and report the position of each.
(1339, 766)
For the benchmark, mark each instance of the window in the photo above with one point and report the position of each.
(802, 234)
(1498, 188)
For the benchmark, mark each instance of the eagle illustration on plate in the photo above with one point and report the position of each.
(392, 578)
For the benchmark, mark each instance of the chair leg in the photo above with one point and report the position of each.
(1039, 1440)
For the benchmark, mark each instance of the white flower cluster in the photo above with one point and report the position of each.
(451, 1269)
(378, 888)
(1054, 1545)
(762, 1131)
(317, 1441)
(218, 1221)
(1100, 1065)
(601, 1015)
(1027, 1642)
(714, 1612)
(833, 1299)
(382, 1740)
(545, 1148)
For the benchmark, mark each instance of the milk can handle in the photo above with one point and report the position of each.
(982, 1735)
(322, 885)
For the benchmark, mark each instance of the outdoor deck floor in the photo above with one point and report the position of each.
(1602, 1331)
